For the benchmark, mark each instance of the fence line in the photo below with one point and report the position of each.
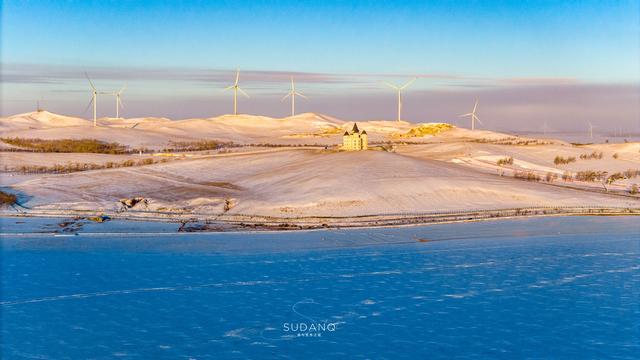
(430, 216)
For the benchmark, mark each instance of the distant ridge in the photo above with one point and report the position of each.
(43, 119)
(159, 132)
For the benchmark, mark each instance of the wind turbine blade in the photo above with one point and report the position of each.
(302, 96)
(464, 115)
(285, 97)
(88, 105)
(227, 88)
(237, 76)
(408, 83)
(242, 92)
(120, 102)
(90, 82)
(477, 118)
(475, 106)
(122, 89)
(390, 85)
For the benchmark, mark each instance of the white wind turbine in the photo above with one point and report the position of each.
(94, 100)
(399, 90)
(591, 130)
(118, 96)
(293, 93)
(38, 104)
(236, 88)
(473, 116)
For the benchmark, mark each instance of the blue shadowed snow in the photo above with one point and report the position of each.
(547, 288)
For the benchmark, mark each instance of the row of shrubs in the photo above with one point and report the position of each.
(527, 175)
(591, 175)
(627, 174)
(101, 147)
(588, 176)
(511, 141)
(631, 173)
(76, 167)
(505, 161)
(285, 145)
(559, 160)
(68, 145)
(593, 155)
(114, 148)
(199, 145)
(549, 176)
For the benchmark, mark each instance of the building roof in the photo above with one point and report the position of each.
(364, 132)
(346, 133)
(355, 128)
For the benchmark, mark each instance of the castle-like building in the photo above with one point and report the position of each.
(355, 139)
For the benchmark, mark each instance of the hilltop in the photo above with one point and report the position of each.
(40, 120)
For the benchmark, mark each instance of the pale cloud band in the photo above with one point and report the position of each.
(505, 103)
(60, 74)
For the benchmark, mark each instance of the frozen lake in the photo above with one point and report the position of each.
(565, 287)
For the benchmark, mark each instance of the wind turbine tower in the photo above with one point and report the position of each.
(118, 96)
(236, 88)
(94, 100)
(591, 130)
(473, 116)
(399, 90)
(293, 93)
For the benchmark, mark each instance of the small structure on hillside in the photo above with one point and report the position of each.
(355, 139)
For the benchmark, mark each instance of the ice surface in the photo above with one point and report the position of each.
(543, 288)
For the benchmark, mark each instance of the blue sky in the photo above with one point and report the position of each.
(592, 40)
(453, 44)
